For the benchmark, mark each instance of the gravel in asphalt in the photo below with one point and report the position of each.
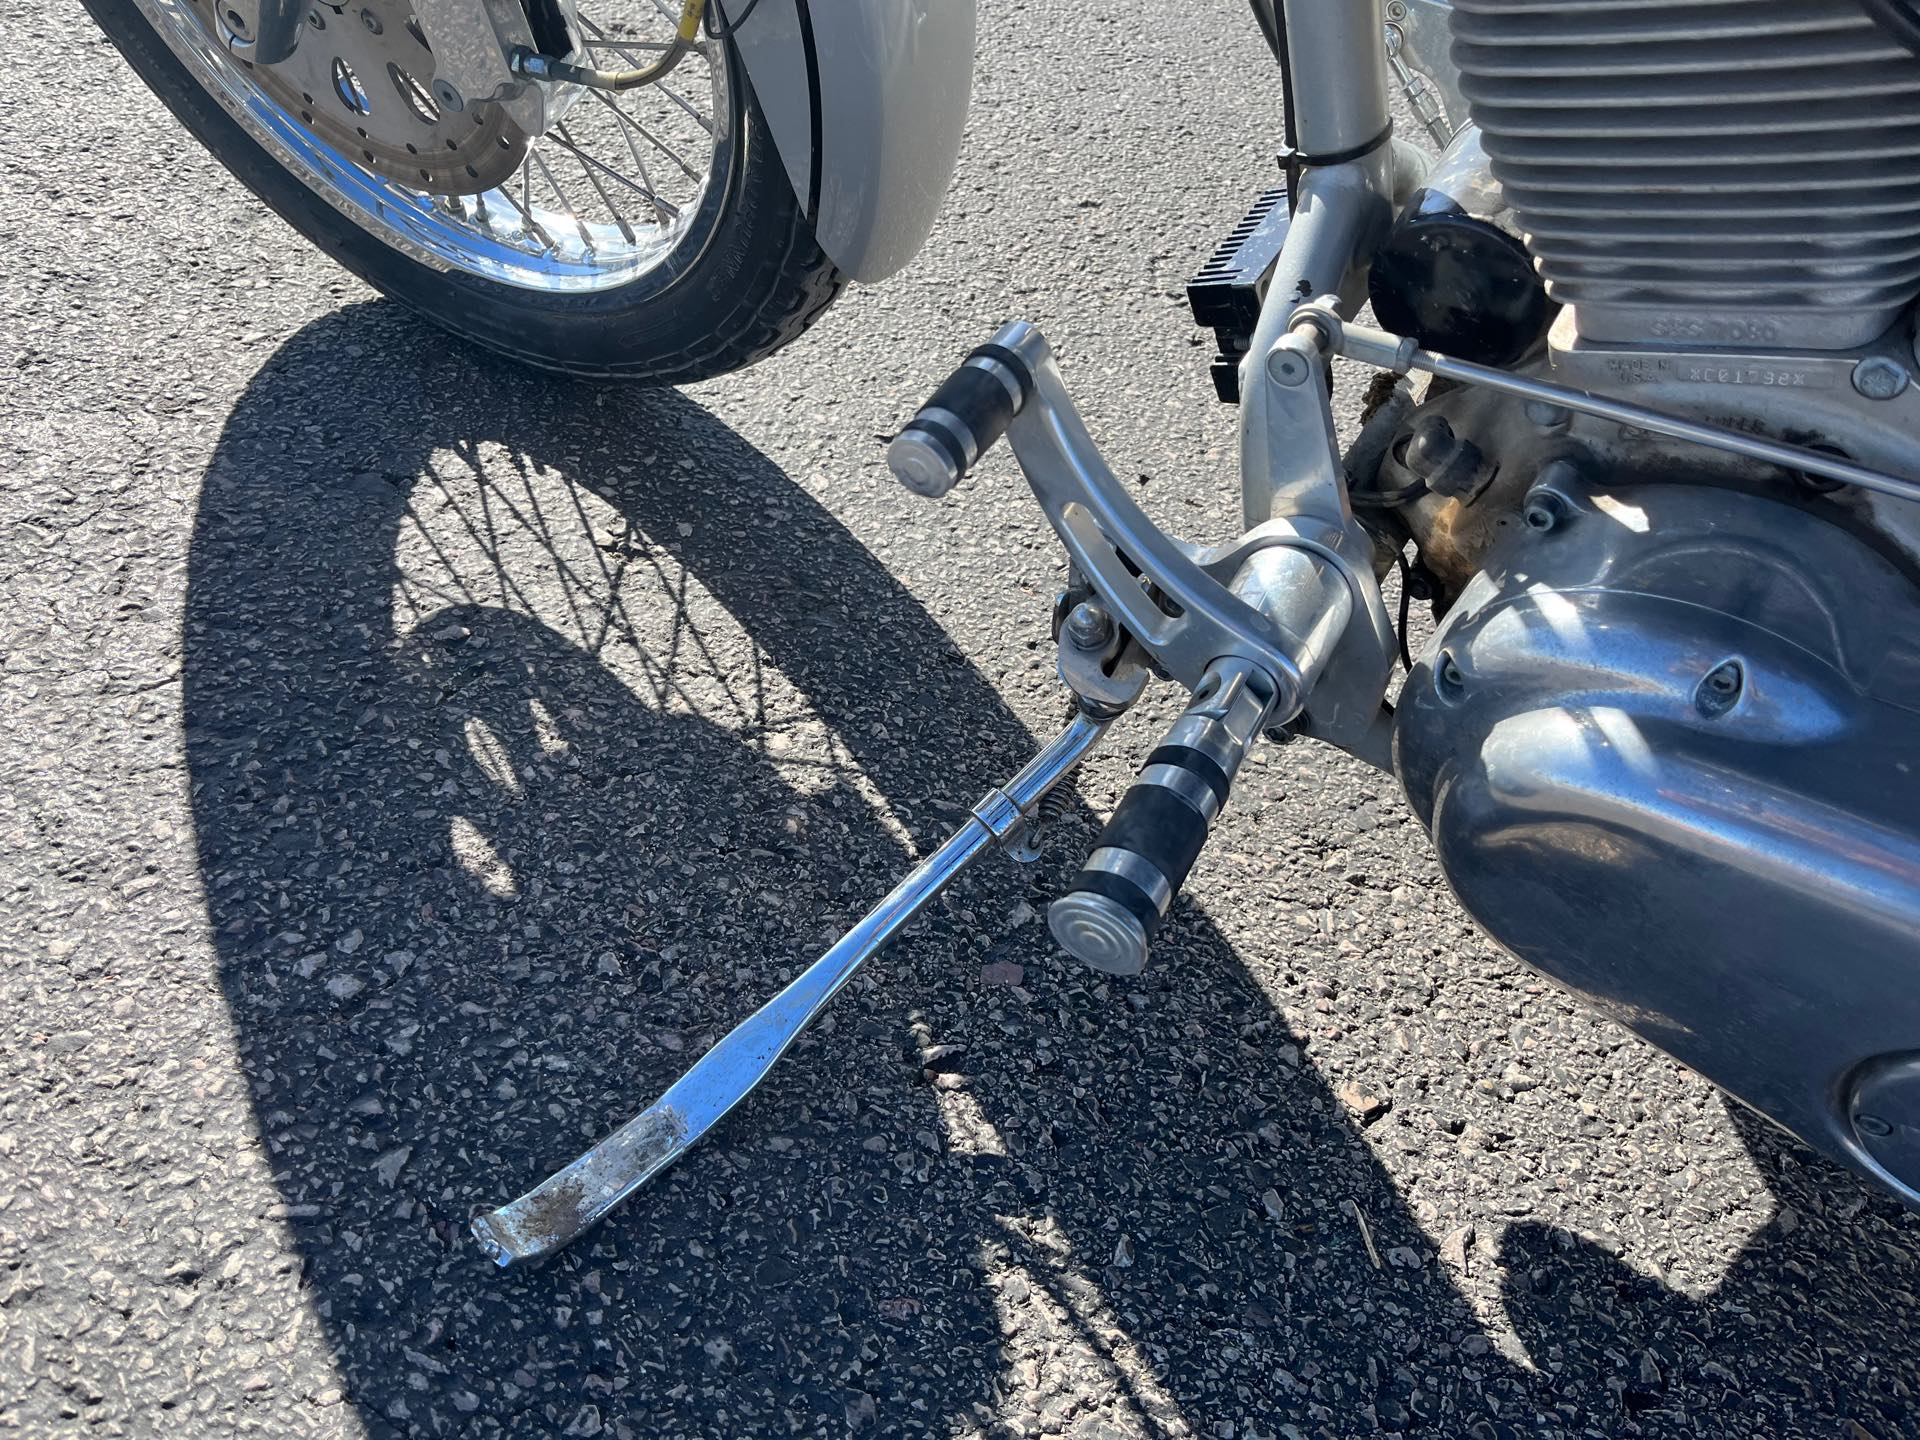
(407, 764)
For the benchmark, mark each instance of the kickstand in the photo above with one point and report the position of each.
(561, 1208)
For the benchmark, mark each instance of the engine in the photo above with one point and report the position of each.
(1715, 207)
(1664, 737)
(1717, 172)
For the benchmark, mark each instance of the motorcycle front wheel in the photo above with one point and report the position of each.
(650, 235)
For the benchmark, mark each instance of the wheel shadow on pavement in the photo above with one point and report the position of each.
(537, 733)
(1814, 1331)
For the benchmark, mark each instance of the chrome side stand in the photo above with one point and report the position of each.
(556, 1212)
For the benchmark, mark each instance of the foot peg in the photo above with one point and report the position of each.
(566, 1205)
(1119, 899)
(1253, 627)
(971, 409)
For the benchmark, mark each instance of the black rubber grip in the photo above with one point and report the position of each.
(981, 401)
(1159, 827)
(1013, 360)
(1200, 763)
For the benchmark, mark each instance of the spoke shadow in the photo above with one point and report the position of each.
(536, 734)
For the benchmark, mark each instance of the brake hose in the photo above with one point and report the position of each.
(566, 72)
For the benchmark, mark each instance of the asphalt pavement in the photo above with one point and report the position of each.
(408, 764)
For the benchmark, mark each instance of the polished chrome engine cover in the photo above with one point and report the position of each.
(1668, 748)
(1708, 172)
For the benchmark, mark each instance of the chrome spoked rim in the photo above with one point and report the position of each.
(602, 199)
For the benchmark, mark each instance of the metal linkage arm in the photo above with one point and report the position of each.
(1183, 607)
(1281, 596)
(1402, 355)
(561, 1208)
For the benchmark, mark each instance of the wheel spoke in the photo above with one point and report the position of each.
(566, 201)
(639, 51)
(525, 206)
(674, 95)
(673, 211)
(640, 164)
(568, 143)
(601, 40)
(646, 134)
(507, 226)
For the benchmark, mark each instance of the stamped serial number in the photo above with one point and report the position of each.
(1726, 330)
(1747, 375)
(1647, 370)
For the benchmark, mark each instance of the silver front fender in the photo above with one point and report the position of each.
(866, 100)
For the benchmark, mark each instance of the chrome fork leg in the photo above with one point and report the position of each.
(561, 1208)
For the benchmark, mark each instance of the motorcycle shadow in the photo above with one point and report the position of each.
(536, 733)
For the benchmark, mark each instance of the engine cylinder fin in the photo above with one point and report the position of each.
(1644, 157)
(1704, 87)
(1704, 162)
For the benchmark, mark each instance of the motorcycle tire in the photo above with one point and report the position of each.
(744, 279)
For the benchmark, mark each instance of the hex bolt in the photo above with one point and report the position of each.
(1879, 377)
(1089, 627)
(1872, 1125)
(1544, 511)
(1287, 366)
(371, 21)
(449, 98)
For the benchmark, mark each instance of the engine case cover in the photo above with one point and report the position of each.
(1668, 749)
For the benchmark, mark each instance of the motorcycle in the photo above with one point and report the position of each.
(1643, 431)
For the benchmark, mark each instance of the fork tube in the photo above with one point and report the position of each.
(1338, 75)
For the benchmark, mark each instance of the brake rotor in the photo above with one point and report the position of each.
(361, 80)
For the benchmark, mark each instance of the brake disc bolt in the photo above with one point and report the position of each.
(1089, 627)
(371, 21)
(449, 98)
(1880, 378)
